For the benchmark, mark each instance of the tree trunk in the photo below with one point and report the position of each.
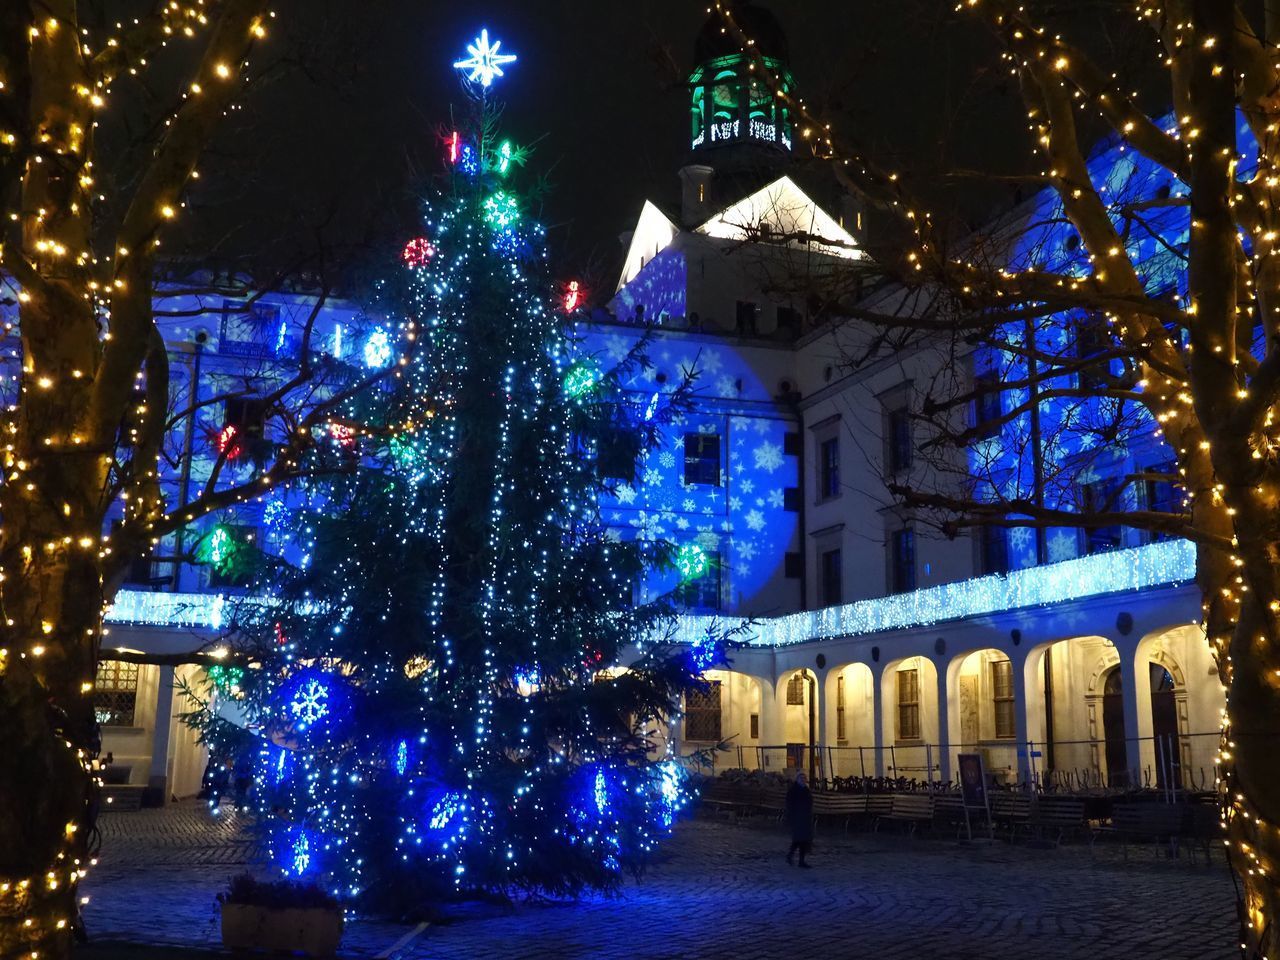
(51, 552)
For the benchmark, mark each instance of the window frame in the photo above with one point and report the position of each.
(115, 688)
(1005, 727)
(908, 708)
(697, 465)
(831, 577)
(828, 468)
(707, 709)
(902, 568)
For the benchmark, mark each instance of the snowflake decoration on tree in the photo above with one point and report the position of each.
(311, 702)
(485, 62)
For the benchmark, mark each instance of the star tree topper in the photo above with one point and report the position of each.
(485, 62)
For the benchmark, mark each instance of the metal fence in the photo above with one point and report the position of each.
(1173, 764)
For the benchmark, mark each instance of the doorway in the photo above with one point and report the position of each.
(1164, 728)
(1113, 729)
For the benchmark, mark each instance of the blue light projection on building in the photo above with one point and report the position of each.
(1088, 444)
(720, 476)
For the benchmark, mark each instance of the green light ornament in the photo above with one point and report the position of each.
(501, 210)
(581, 378)
(226, 678)
(692, 561)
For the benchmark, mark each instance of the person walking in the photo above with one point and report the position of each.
(799, 811)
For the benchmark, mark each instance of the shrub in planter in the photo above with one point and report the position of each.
(280, 916)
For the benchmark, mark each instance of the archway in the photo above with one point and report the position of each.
(910, 727)
(1165, 730)
(1180, 732)
(1067, 713)
(798, 706)
(982, 711)
(851, 735)
(726, 712)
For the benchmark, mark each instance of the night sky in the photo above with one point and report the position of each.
(345, 128)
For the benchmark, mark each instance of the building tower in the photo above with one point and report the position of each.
(741, 132)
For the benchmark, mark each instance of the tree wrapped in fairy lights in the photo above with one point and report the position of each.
(439, 702)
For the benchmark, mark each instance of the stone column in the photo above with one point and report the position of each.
(158, 781)
(877, 695)
(1020, 707)
(1129, 690)
(944, 734)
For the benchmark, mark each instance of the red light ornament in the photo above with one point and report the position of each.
(417, 252)
(572, 296)
(228, 441)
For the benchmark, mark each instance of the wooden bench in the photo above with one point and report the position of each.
(841, 807)
(1056, 817)
(911, 809)
(1157, 822)
(948, 812)
(1010, 810)
(878, 805)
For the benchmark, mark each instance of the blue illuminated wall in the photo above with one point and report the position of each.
(1090, 440)
(744, 520)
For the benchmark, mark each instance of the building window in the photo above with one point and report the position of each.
(995, 549)
(746, 316)
(1101, 496)
(243, 426)
(902, 560)
(1092, 339)
(115, 693)
(703, 593)
(788, 320)
(1002, 699)
(248, 329)
(841, 732)
(830, 583)
(755, 726)
(702, 714)
(986, 405)
(908, 704)
(897, 434)
(795, 690)
(829, 468)
(702, 458)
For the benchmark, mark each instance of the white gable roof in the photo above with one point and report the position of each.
(787, 210)
(653, 234)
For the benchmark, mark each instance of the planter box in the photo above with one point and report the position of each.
(313, 932)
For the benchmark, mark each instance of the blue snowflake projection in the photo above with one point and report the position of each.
(485, 62)
(310, 703)
(692, 561)
(377, 349)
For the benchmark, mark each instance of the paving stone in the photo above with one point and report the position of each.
(723, 891)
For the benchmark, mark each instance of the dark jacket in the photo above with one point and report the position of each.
(800, 812)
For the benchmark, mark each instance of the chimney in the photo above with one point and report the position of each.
(695, 194)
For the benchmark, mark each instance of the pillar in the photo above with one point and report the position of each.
(1129, 691)
(770, 726)
(877, 696)
(944, 738)
(1021, 706)
(158, 780)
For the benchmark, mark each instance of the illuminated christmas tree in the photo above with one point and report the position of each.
(441, 701)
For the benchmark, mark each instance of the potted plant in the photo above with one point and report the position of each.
(280, 916)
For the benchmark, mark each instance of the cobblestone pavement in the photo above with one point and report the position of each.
(723, 891)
